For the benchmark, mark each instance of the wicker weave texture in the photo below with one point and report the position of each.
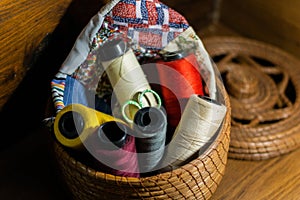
(197, 179)
(263, 83)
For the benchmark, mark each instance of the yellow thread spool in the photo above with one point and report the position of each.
(87, 120)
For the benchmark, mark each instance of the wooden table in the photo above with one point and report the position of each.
(277, 178)
(273, 179)
(26, 170)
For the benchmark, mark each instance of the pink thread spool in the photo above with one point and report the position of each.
(114, 148)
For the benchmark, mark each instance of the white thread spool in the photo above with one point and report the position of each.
(200, 120)
(125, 74)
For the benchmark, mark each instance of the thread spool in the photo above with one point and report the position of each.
(150, 129)
(180, 78)
(75, 122)
(200, 120)
(113, 145)
(125, 74)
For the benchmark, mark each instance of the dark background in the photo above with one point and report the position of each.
(27, 164)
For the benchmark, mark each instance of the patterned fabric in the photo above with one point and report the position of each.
(149, 26)
(90, 71)
(149, 23)
(106, 32)
(58, 87)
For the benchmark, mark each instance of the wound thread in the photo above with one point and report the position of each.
(180, 78)
(75, 122)
(200, 120)
(113, 146)
(125, 74)
(150, 129)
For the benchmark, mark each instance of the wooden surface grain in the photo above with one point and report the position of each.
(24, 24)
(273, 179)
(198, 13)
(35, 38)
(273, 21)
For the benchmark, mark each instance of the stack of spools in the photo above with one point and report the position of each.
(141, 120)
(157, 126)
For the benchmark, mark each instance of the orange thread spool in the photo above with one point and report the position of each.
(179, 78)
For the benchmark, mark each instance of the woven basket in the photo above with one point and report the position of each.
(197, 179)
(263, 83)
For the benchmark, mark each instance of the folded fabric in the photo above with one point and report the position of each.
(149, 24)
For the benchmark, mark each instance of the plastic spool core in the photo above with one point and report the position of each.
(112, 49)
(115, 133)
(145, 119)
(71, 125)
(149, 119)
(206, 98)
(171, 56)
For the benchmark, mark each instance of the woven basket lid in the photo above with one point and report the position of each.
(263, 83)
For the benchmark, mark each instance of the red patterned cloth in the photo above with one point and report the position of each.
(149, 23)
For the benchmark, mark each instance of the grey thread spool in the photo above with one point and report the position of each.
(125, 74)
(150, 126)
(199, 122)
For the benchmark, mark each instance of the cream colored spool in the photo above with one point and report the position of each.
(200, 120)
(128, 80)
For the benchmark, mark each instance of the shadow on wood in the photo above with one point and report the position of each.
(24, 110)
